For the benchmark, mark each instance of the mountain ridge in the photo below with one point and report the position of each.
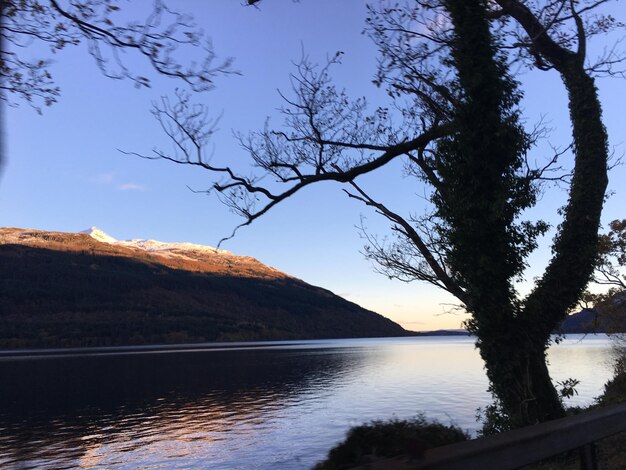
(184, 255)
(71, 289)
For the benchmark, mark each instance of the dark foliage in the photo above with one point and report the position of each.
(381, 439)
(615, 389)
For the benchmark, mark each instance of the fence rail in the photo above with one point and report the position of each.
(513, 449)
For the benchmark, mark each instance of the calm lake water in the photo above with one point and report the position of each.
(279, 405)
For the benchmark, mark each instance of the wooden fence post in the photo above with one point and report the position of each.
(588, 460)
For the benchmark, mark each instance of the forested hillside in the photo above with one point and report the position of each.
(82, 292)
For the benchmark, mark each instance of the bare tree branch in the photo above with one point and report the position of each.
(439, 276)
(60, 24)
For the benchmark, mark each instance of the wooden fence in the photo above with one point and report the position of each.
(513, 449)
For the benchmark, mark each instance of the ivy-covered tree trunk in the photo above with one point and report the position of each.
(575, 251)
(575, 247)
(519, 377)
(480, 202)
(483, 198)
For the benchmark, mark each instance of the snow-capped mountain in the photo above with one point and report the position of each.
(89, 289)
(151, 245)
(97, 234)
(179, 255)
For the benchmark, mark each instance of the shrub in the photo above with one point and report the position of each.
(384, 439)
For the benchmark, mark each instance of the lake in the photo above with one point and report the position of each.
(279, 405)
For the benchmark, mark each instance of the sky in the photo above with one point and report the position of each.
(64, 171)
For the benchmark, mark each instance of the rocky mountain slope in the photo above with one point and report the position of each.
(88, 289)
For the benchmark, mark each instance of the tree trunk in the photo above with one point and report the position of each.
(527, 393)
(482, 204)
(575, 248)
(521, 381)
(576, 245)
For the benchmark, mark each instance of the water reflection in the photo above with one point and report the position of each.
(79, 408)
(260, 408)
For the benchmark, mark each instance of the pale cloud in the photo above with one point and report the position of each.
(112, 179)
(131, 187)
(104, 178)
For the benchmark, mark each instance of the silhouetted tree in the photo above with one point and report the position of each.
(612, 256)
(446, 73)
(610, 272)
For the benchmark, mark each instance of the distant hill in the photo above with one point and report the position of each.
(604, 318)
(453, 332)
(88, 289)
(585, 321)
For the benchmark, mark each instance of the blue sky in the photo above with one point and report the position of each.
(64, 171)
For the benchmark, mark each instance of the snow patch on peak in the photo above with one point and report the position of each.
(97, 234)
(154, 246)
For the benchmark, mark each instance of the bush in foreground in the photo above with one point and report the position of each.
(615, 389)
(384, 439)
